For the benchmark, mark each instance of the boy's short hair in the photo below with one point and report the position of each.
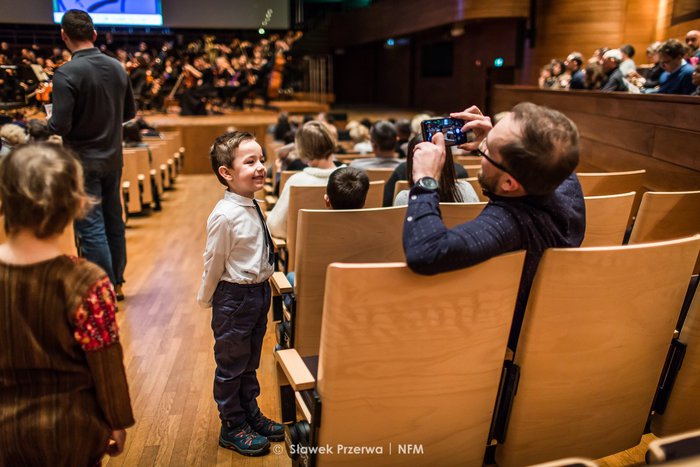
(383, 135)
(223, 151)
(347, 188)
(42, 189)
(78, 25)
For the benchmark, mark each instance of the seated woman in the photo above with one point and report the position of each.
(450, 190)
(64, 398)
(315, 144)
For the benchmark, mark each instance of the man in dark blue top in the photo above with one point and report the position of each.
(536, 202)
(91, 98)
(678, 74)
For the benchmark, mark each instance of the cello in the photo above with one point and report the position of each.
(275, 83)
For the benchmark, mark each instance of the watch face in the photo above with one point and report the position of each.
(428, 183)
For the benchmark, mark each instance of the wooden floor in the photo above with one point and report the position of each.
(168, 340)
(168, 343)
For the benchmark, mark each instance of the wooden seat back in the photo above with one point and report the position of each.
(301, 197)
(130, 174)
(458, 213)
(593, 343)
(607, 218)
(611, 183)
(375, 194)
(666, 215)
(682, 412)
(379, 175)
(284, 176)
(410, 359)
(352, 236)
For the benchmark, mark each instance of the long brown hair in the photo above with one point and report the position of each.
(447, 185)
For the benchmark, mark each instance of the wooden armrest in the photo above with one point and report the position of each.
(279, 243)
(141, 177)
(182, 150)
(268, 189)
(302, 406)
(153, 172)
(163, 167)
(268, 181)
(126, 185)
(280, 283)
(270, 200)
(295, 369)
(287, 314)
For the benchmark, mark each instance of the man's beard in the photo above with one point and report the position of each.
(488, 183)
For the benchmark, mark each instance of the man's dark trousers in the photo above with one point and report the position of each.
(239, 322)
(101, 233)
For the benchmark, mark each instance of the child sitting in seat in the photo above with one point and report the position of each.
(238, 261)
(347, 189)
(64, 398)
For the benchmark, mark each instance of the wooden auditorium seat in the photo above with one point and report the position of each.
(284, 176)
(454, 214)
(670, 449)
(349, 157)
(593, 343)
(324, 237)
(611, 183)
(405, 359)
(376, 174)
(311, 197)
(606, 219)
(666, 215)
(569, 462)
(130, 182)
(681, 411)
(399, 187)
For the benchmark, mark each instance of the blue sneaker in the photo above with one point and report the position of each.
(262, 425)
(243, 440)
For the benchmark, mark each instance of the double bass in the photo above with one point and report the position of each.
(276, 76)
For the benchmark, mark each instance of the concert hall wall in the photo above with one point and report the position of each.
(376, 73)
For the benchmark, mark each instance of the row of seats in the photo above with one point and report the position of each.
(149, 170)
(371, 235)
(414, 360)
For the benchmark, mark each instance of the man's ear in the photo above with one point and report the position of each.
(328, 201)
(94, 35)
(225, 172)
(64, 37)
(510, 186)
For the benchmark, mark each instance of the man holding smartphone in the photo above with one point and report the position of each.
(536, 202)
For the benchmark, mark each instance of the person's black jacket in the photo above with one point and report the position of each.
(615, 82)
(92, 97)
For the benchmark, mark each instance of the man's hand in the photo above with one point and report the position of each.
(477, 122)
(429, 158)
(116, 443)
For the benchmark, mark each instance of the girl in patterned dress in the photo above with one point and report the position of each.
(64, 399)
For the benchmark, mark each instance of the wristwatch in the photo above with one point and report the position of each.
(427, 183)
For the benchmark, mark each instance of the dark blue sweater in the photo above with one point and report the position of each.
(532, 223)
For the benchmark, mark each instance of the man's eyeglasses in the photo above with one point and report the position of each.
(493, 162)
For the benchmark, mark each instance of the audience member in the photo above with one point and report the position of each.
(692, 40)
(535, 198)
(315, 143)
(38, 130)
(383, 137)
(403, 135)
(573, 65)
(238, 261)
(627, 66)
(594, 77)
(651, 80)
(450, 189)
(81, 89)
(359, 134)
(347, 189)
(65, 399)
(615, 80)
(677, 77)
(12, 136)
(696, 78)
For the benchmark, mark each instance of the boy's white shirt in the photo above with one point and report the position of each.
(236, 249)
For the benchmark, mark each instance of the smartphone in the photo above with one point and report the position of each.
(450, 127)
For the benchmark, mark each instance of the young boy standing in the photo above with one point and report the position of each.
(238, 260)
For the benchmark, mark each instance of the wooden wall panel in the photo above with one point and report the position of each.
(392, 18)
(564, 26)
(626, 131)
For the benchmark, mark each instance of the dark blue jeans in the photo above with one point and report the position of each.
(101, 233)
(239, 322)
